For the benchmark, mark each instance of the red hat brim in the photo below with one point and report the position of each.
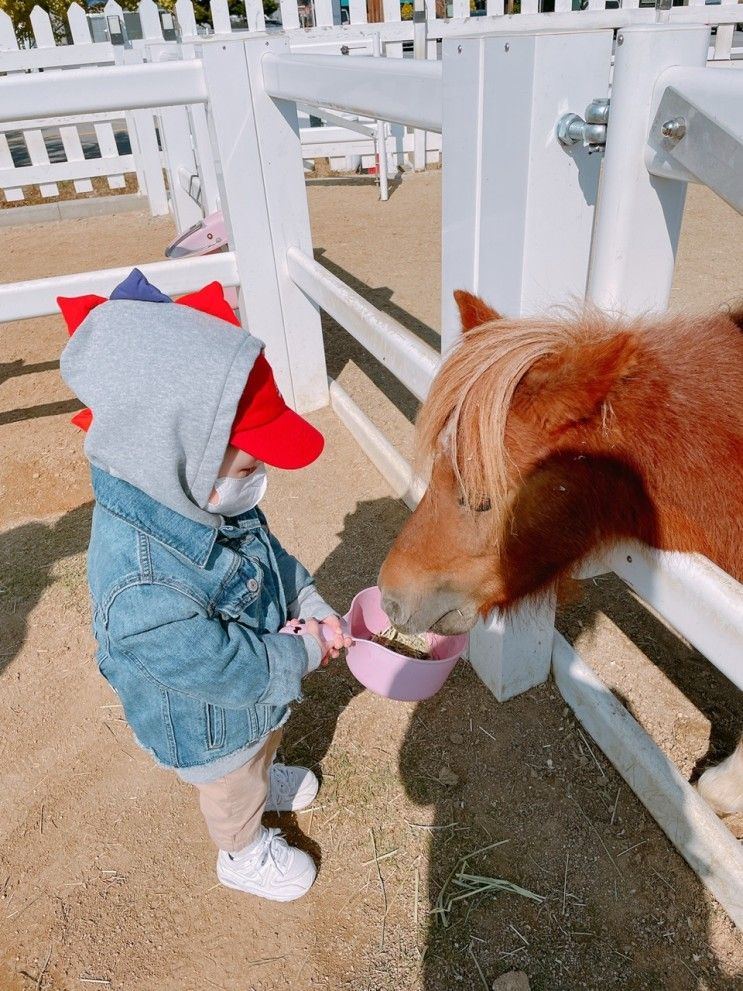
(288, 441)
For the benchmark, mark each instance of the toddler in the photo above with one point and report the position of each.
(190, 590)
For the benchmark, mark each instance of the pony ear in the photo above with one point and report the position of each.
(572, 386)
(736, 315)
(473, 311)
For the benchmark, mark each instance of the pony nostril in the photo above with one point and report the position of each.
(391, 608)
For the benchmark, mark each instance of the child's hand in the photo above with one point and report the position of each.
(327, 646)
(328, 633)
(341, 640)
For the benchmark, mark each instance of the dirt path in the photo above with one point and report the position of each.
(106, 874)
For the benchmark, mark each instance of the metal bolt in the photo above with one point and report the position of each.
(345, 49)
(570, 129)
(674, 129)
(597, 111)
(507, 46)
(620, 39)
(459, 49)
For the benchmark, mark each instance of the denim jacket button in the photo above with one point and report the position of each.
(252, 585)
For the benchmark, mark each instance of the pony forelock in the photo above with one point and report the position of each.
(467, 409)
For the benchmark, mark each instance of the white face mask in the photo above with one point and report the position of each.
(238, 495)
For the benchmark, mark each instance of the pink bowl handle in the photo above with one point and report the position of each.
(328, 635)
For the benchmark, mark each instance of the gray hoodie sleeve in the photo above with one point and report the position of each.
(220, 662)
(305, 602)
(309, 604)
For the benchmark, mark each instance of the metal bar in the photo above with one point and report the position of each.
(107, 89)
(38, 297)
(397, 90)
(697, 130)
(383, 455)
(398, 349)
(336, 121)
(704, 842)
(700, 601)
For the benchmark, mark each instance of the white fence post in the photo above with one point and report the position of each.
(638, 220)
(257, 140)
(143, 139)
(420, 46)
(505, 174)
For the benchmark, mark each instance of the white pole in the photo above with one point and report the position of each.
(517, 222)
(420, 47)
(638, 218)
(265, 203)
(517, 206)
(381, 137)
(104, 89)
(397, 90)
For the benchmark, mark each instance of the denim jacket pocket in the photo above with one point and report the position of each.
(216, 729)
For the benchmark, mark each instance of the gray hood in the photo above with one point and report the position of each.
(163, 381)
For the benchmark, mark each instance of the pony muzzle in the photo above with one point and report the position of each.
(442, 611)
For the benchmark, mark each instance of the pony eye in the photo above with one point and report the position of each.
(482, 507)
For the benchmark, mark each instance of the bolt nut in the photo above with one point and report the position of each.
(597, 111)
(570, 129)
(674, 129)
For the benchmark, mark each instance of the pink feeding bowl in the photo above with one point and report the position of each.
(382, 670)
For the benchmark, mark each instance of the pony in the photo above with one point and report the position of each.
(548, 439)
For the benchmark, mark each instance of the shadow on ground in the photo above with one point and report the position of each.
(620, 908)
(28, 555)
(709, 691)
(341, 348)
(353, 565)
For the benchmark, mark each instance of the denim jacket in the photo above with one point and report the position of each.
(186, 619)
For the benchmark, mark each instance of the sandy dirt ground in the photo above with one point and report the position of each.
(106, 872)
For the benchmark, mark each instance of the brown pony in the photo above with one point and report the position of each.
(551, 438)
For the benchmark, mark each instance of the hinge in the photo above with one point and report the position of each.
(591, 132)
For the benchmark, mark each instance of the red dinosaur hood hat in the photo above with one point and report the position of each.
(264, 426)
(268, 429)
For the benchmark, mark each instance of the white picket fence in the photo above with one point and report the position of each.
(78, 149)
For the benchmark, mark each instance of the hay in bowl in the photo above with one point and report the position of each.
(415, 645)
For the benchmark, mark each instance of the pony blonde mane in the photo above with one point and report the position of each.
(468, 405)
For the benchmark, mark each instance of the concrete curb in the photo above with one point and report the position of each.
(98, 206)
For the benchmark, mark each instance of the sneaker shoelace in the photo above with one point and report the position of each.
(276, 852)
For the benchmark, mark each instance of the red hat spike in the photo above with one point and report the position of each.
(83, 419)
(211, 300)
(76, 308)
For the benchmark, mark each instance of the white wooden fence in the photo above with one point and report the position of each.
(557, 236)
(86, 147)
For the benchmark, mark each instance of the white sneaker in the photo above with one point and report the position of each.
(269, 868)
(290, 789)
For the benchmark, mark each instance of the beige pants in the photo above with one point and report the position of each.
(233, 805)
